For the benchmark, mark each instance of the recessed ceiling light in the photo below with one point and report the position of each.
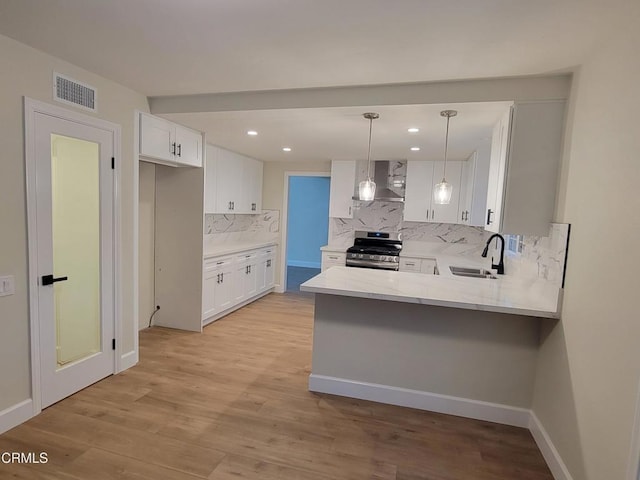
(253, 133)
(413, 130)
(286, 149)
(415, 149)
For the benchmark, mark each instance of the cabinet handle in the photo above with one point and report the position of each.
(218, 281)
(180, 150)
(173, 146)
(253, 207)
(462, 217)
(268, 263)
(233, 205)
(349, 210)
(249, 268)
(222, 277)
(489, 221)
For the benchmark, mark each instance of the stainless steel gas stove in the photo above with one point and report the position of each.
(379, 250)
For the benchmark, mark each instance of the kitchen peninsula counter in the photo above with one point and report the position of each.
(457, 345)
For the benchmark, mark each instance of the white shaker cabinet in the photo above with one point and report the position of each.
(333, 259)
(422, 177)
(418, 265)
(168, 143)
(525, 159)
(233, 182)
(343, 179)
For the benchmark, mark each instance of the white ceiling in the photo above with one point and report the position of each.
(161, 47)
(173, 47)
(342, 133)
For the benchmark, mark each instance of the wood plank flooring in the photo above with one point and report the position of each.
(232, 403)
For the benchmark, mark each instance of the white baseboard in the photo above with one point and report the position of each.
(404, 397)
(219, 315)
(15, 415)
(128, 360)
(296, 263)
(548, 450)
(279, 288)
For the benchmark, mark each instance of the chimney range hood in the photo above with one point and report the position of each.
(390, 180)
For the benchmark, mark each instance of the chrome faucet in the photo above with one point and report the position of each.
(500, 266)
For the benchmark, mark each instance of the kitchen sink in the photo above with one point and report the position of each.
(472, 272)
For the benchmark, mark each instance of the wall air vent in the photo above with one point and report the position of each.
(70, 91)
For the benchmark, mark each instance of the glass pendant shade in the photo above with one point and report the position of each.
(442, 193)
(367, 190)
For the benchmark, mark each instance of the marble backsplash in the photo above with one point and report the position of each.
(541, 257)
(222, 228)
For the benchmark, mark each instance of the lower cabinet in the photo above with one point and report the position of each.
(333, 259)
(230, 281)
(418, 265)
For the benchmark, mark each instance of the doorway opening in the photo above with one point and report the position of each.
(307, 227)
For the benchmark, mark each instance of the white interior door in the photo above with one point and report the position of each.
(75, 254)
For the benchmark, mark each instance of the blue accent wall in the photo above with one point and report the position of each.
(308, 220)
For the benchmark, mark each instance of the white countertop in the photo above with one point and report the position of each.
(506, 294)
(230, 248)
(333, 248)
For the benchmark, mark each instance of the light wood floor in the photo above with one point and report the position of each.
(232, 403)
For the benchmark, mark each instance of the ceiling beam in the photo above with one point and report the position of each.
(551, 87)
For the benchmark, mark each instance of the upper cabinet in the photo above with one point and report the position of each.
(526, 151)
(233, 182)
(422, 177)
(168, 143)
(341, 190)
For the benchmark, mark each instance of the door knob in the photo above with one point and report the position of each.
(49, 280)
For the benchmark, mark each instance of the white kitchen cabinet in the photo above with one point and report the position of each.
(418, 265)
(233, 182)
(466, 190)
(525, 159)
(342, 188)
(245, 276)
(266, 269)
(232, 281)
(168, 143)
(217, 289)
(422, 177)
(332, 259)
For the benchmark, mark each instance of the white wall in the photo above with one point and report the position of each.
(589, 363)
(146, 243)
(29, 72)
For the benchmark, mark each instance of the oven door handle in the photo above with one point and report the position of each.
(370, 264)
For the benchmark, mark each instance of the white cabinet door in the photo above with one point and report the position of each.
(188, 146)
(497, 168)
(343, 179)
(466, 190)
(270, 273)
(157, 137)
(409, 264)
(210, 179)
(224, 288)
(253, 185)
(446, 213)
(419, 185)
(229, 178)
(208, 293)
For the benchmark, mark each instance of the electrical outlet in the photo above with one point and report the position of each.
(7, 286)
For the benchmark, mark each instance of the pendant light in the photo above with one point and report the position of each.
(442, 191)
(367, 188)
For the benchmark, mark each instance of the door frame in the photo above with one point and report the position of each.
(285, 219)
(31, 108)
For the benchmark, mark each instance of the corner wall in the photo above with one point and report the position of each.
(589, 363)
(29, 72)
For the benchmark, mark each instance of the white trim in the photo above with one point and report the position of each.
(16, 414)
(31, 107)
(554, 461)
(218, 316)
(128, 360)
(301, 263)
(434, 402)
(283, 222)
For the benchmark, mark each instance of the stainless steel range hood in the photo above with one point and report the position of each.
(390, 179)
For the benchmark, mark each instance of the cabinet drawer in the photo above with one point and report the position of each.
(410, 264)
(333, 259)
(216, 263)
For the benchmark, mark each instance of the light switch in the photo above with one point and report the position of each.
(7, 286)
